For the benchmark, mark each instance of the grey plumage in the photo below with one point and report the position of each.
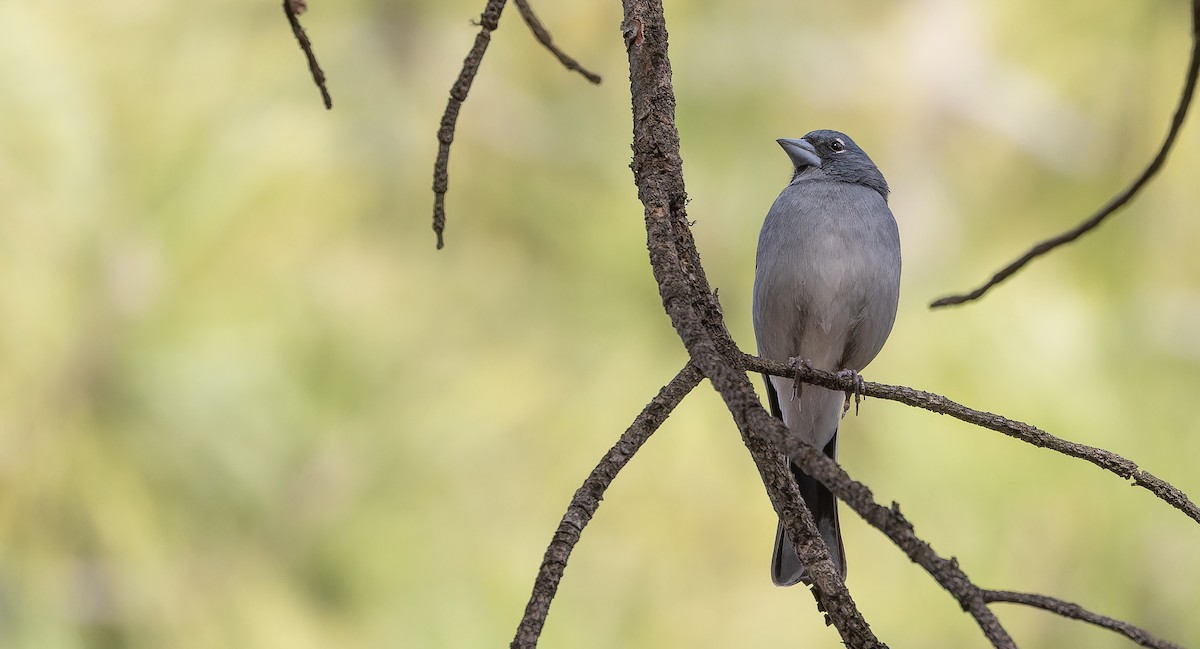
(826, 287)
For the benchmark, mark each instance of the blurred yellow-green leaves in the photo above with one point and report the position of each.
(245, 403)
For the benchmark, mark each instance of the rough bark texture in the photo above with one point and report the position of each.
(694, 312)
(587, 500)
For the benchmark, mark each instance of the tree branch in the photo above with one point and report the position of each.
(543, 36)
(887, 520)
(697, 318)
(1118, 201)
(657, 170)
(1077, 612)
(1102, 458)
(488, 22)
(827, 586)
(587, 499)
(292, 9)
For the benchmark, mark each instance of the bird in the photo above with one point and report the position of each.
(826, 290)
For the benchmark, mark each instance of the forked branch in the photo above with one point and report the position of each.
(489, 21)
(1102, 458)
(697, 317)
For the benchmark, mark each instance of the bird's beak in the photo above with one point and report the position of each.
(802, 152)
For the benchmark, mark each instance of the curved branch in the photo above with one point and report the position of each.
(1077, 612)
(587, 499)
(488, 22)
(543, 36)
(1118, 201)
(1102, 458)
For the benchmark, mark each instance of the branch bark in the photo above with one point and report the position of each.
(587, 500)
(292, 9)
(690, 304)
(489, 20)
(1077, 612)
(543, 36)
(1102, 458)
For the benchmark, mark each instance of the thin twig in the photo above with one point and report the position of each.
(543, 36)
(1185, 100)
(292, 9)
(1077, 612)
(1102, 458)
(488, 22)
(587, 499)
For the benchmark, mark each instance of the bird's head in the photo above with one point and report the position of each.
(834, 156)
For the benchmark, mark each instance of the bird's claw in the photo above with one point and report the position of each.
(856, 392)
(796, 364)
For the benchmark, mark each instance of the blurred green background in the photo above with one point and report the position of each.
(245, 403)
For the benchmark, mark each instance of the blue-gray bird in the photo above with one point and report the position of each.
(826, 287)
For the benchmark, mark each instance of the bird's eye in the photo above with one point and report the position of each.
(837, 146)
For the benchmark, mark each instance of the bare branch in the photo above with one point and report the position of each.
(292, 9)
(887, 520)
(1185, 100)
(587, 499)
(658, 172)
(827, 586)
(543, 36)
(488, 22)
(1077, 612)
(1102, 458)
(697, 318)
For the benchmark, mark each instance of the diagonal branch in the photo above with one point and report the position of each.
(587, 499)
(543, 36)
(887, 520)
(1077, 612)
(1118, 201)
(1102, 458)
(658, 173)
(292, 9)
(488, 22)
(828, 588)
(697, 318)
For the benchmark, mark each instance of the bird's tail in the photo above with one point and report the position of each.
(786, 568)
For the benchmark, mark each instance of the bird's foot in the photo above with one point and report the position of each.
(796, 364)
(855, 392)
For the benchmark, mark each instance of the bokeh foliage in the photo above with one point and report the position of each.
(245, 403)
